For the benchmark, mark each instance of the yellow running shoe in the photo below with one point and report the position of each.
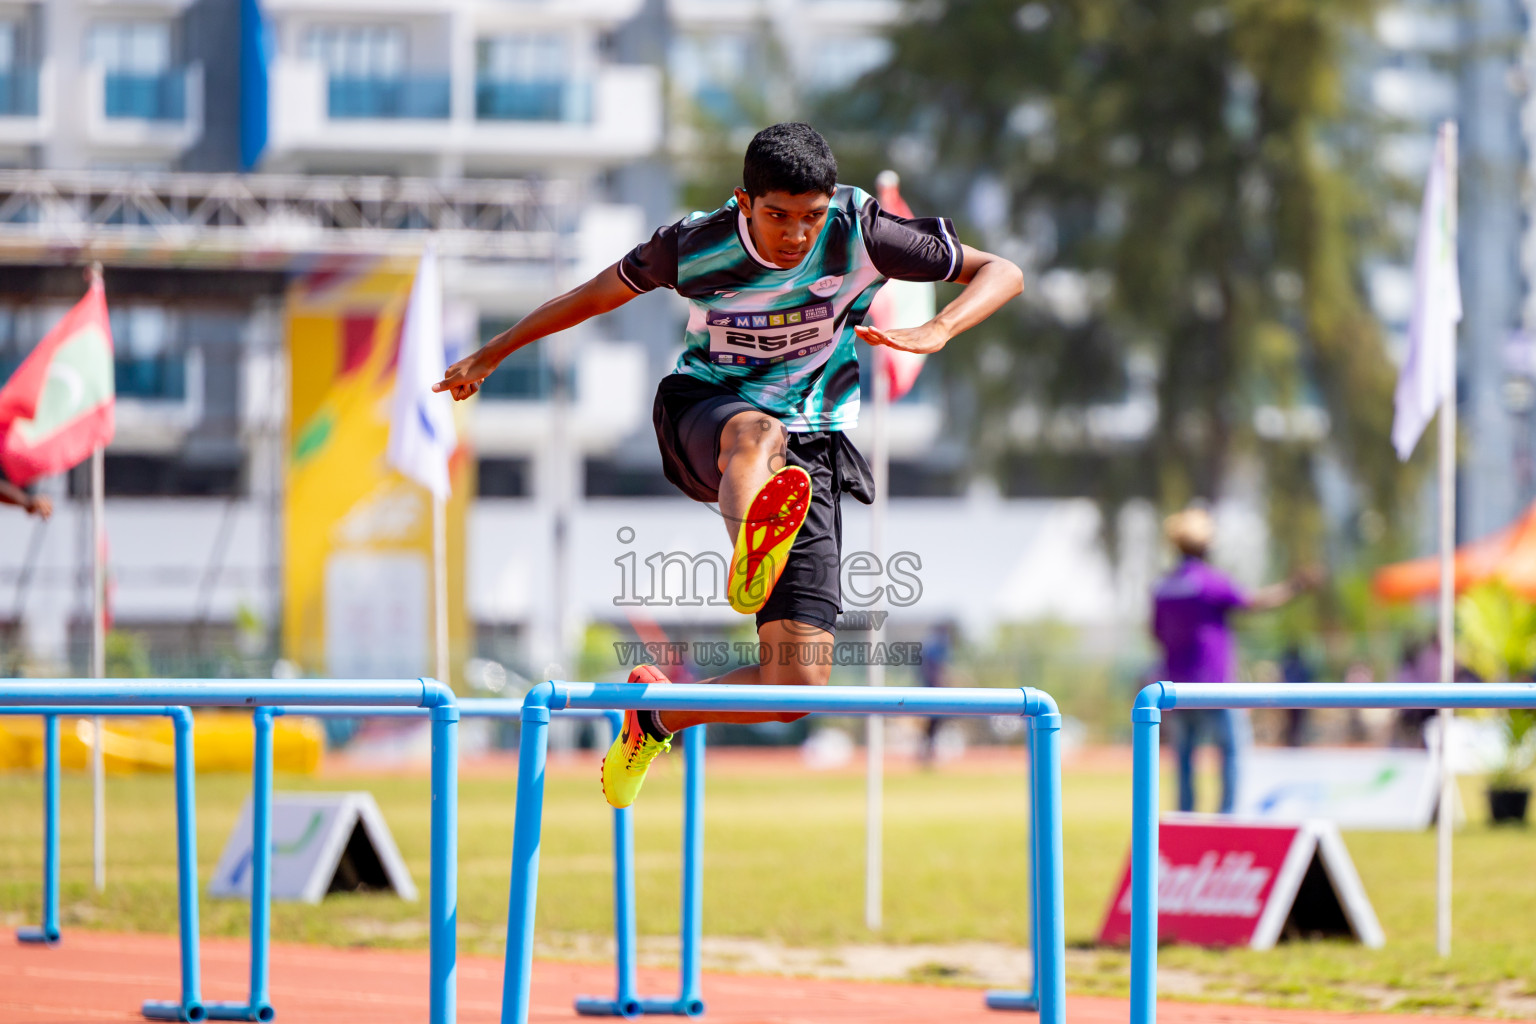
(774, 518)
(633, 751)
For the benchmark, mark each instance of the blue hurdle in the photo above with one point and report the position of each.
(626, 1001)
(1050, 981)
(426, 693)
(1146, 716)
(186, 840)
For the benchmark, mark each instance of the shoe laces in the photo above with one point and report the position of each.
(640, 755)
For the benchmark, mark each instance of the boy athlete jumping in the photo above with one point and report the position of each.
(779, 280)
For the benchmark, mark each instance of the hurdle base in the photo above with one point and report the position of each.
(172, 1009)
(598, 1006)
(998, 999)
(36, 935)
(261, 1012)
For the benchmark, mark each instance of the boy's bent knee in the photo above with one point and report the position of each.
(751, 434)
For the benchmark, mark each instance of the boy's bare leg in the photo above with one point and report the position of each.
(753, 447)
(796, 654)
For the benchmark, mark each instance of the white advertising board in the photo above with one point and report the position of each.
(321, 842)
(1392, 789)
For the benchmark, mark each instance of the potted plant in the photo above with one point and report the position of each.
(1508, 792)
(1498, 642)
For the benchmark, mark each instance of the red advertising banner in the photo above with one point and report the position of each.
(1225, 882)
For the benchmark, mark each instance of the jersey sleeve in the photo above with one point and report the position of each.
(1223, 592)
(920, 249)
(653, 263)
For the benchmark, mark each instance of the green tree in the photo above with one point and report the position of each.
(1185, 179)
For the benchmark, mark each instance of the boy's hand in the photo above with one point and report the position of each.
(464, 377)
(40, 506)
(925, 339)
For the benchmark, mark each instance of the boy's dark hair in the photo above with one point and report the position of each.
(790, 157)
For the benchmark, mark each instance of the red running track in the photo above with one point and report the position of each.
(94, 976)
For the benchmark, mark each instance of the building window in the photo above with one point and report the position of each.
(139, 80)
(18, 72)
(367, 75)
(130, 47)
(358, 51)
(162, 476)
(528, 77)
(21, 328)
(151, 362)
(610, 478)
(503, 478)
(150, 359)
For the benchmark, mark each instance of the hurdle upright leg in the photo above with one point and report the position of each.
(1145, 798)
(625, 1002)
(1051, 975)
(258, 1004)
(1027, 1001)
(48, 932)
(533, 750)
(443, 897)
(190, 1007)
(690, 1000)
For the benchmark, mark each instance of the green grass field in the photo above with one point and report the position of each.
(784, 864)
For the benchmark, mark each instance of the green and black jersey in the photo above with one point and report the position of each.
(783, 339)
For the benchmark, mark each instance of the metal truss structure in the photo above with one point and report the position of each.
(271, 221)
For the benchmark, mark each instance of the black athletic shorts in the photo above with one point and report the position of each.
(689, 415)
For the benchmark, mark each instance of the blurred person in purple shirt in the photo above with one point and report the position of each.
(1191, 610)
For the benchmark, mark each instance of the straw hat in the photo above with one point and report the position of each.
(1191, 531)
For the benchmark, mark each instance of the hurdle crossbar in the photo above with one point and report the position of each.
(626, 1001)
(443, 712)
(1146, 718)
(49, 933)
(542, 700)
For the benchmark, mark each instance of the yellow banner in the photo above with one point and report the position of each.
(357, 553)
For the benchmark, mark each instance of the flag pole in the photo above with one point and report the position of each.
(1447, 474)
(874, 744)
(98, 670)
(440, 587)
(98, 648)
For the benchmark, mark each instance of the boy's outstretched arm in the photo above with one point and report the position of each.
(990, 282)
(36, 505)
(603, 293)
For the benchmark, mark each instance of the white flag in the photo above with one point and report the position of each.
(421, 435)
(1429, 372)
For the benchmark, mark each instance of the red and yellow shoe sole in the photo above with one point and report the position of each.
(774, 518)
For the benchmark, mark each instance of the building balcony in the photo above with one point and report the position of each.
(420, 97)
(159, 113)
(516, 100)
(155, 97)
(611, 117)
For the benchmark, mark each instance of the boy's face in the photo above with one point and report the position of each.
(784, 227)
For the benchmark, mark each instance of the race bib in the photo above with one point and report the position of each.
(760, 339)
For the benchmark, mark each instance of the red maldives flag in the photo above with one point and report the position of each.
(57, 407)
(900, 303)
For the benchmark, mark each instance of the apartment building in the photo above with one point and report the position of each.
(116, 119)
